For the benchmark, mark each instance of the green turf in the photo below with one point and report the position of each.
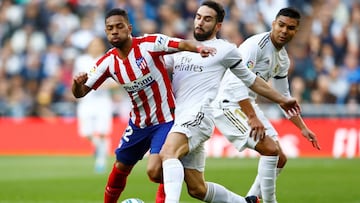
(42, 179)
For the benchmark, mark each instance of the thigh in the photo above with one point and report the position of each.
(197, 126)
(133, 145)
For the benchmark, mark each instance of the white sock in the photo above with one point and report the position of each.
(102, 148)
(255, 187)
(219, 194)
(173, 173)
(267, 174)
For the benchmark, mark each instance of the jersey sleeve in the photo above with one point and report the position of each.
(169, 63)
(235, 63)
(282, 86)
(163, 43)
(98, 74)
(234, 89)
(249, 53)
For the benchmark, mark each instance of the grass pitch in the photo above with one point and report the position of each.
(69, 179)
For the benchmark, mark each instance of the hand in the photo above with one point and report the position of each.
(309, 135)
(206, 51)
(291, 107)
(80, 78)
(257, 131)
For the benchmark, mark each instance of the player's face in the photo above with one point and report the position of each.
(118, 30)
(205, 24)
(283, 30)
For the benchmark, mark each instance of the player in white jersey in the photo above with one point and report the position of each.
(265, 55)
(95, 124)
(137, 64)
(195, 83)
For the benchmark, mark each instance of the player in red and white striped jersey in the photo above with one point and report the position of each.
(137, 64)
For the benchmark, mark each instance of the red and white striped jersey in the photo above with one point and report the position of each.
(144, 77)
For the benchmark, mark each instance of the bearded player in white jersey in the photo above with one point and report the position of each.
(265, 55)
(195, 84)
(137, 64)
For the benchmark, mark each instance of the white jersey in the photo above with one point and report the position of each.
(143, 76)
(262, 58)
(196, 79)
(196, 82)
(100, 97)
(92, 120)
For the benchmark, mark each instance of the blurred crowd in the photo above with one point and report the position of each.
(41, 39)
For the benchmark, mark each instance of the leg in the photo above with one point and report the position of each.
(194, 163)
(265, 182)
(116, 182)
(154, 171)
(209, 191)
(282, 158)
(176, 145)
(102, 147)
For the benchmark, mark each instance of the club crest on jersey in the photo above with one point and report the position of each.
(92, 70)
(141, 63)
(250, 64)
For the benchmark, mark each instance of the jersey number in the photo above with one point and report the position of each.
(128, 132)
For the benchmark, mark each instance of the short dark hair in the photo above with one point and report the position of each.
(217, 7)
(289, 12)
(117, 11)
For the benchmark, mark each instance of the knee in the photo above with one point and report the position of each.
(154, 169)
(271, 151)
(267, 147)
(197, 192)
(282, 159)
(155, 174)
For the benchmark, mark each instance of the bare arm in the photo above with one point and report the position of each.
(194, 46)
(79, 89)
(289, 105)
(257, 128)
(305, 131)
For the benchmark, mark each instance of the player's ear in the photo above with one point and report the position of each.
(130, 28)
(218, 26)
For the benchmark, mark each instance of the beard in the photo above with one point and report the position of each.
(203, 36)
(117, 44)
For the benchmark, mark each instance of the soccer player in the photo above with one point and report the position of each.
(136, 63)
(95, 124)
(195, 84)
(265, 55)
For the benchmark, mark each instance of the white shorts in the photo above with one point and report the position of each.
(232, 123)
(93, 120)
(198, 126)
(195, 159)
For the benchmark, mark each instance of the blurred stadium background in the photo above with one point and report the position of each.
(40, 40)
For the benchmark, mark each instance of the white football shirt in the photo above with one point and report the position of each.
(262, 58)
(196, 79)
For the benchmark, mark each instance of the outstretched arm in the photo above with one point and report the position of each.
(194, 46)
(79, 89)
(305, 131)
(290, 105)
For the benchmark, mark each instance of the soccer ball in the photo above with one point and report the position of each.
(133, 200)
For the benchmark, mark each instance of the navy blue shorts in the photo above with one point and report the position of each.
(136, 141)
